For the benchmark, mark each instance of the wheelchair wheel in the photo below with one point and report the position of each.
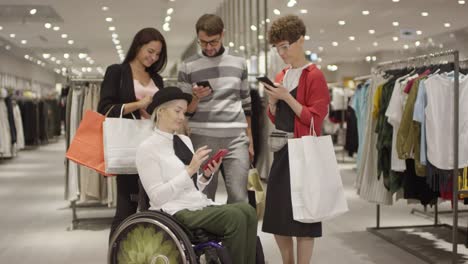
(150, 238)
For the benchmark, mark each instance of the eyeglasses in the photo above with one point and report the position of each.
(283, 48)
(212, 43)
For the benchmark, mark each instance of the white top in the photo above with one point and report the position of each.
(394, 113)
(164, 177)
(440, 122)
(292, 76)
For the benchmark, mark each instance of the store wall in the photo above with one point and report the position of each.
(20, 67)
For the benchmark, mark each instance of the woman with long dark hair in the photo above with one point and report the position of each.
(131, 86)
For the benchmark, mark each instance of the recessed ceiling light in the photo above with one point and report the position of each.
(242, 47)
(1, 28)
(58, 62)
(371, 31)
(375, 44)
(395, 39)
(105, 8)
(33, 11)
(170, 11)
(8, 47)
(424, 14)
(26, 56)
(12, 35)
(319, 59)
(308, 52)
(109, 19)
(56, 28)
(365, 12)
(260, 37)
(320, 48)
(304, 11)
(430, 40)
(447, 25)
(231, 44)
(91, 62)
(291, 3)
(82, 55)
(461, 2)
(352, 38)
(46, 55)
(166, 27)
(66, 55)
(417, 43)
(118, 47)
(47, 25)
(341, 22)
(277, 12)
(64, 36)
(441, 46)
(368, 58)
(116, 41)
(253, 28)
(168, 18)
(419, 32)
(115, 35)
(268, 20)
(395, 23)
(374, 58)
(406, 46)
(307, 37)
(53, 59)
(335, 44)
(111, 28)
(71, 41)
(396, 1)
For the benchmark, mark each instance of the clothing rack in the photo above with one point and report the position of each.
(456, 191)
(78, 220)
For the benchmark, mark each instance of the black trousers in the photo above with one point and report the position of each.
(127, 187)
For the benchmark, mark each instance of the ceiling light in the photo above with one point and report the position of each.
(461, 2)
(424, 14)
(56, 28)
(111, 28)
(268, 20)
(395, 23)
(166, 27)
(46, 55)
(8, 47)
(24, 41)
(26, 56)
(332, 67)
(170, 11)
(335, 44)
(105, 8)
(365, 12)
(441, 46)
(358, 48)
(395, 39)
(242, 48)
(368, 58)
(277, 12)
(417, 43)
(447, 25)
(39, 62)
(430, 40)
(374, 58)
(47, 25)
(253, 28)
(304, 11)
(53, 59)
(291, 3)
(371, 31)
(231, 44)
(82, 55)
(109, 19)
(406, 46)
(308, 52)
(71, 42)
(116, 41)
(12, 35)
(342, 22)
(168, 18)
(320, 48)
(58, 62)
(91, 62)
(375, 44)
(114, 35)
(64, 36)
(319, 59)
(83, 69)
(260, 37)
(118, 47)
(307, 37)
(352, 38)
(33, 11)
(1, 28)
(66, 55)
(419, 32)
(396, 1)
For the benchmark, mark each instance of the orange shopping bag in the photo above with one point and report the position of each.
(87, 147)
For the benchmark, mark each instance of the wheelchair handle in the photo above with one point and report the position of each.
(155, 258)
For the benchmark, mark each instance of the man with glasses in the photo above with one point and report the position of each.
(219, 115)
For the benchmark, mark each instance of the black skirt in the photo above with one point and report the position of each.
(278, 218)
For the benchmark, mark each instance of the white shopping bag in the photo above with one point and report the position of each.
(317, 192)
(121, 138)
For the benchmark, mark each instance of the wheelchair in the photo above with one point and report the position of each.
(155, 237)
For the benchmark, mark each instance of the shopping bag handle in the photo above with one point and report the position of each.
(312, 128)
(122, 109)
(108, 111)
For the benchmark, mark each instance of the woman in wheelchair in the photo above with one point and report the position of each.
(170, 174)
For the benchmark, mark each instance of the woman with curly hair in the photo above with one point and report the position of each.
(300, 97)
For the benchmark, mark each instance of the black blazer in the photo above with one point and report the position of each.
(117, 89)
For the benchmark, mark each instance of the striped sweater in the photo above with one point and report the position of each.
(223, 112)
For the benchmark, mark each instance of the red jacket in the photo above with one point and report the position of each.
(313, 95)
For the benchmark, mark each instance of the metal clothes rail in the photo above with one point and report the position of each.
(427, 60)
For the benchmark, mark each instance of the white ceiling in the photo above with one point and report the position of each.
(84, 22)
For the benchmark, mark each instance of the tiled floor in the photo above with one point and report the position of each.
(35, 220)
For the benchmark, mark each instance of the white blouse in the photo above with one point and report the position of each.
(165, 178)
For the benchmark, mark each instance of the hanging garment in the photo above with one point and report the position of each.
(5, 133)
(352, 142)
(19, 127)
(359, 104)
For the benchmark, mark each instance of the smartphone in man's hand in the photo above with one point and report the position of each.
(265, 79)
(205, 84)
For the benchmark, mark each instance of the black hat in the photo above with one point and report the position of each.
(168, 94)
